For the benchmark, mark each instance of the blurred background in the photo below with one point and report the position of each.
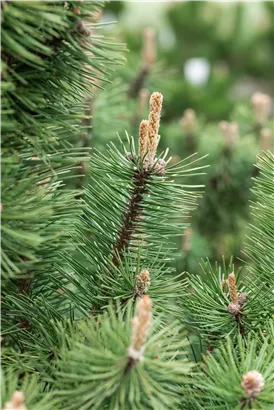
(213, 62)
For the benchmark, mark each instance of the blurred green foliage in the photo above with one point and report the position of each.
(235, 41)
(235, 38)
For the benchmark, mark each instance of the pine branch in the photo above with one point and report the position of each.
(31, 202)
(209, 309)
(38, 88)
(259, 247)
(49, 65)
(27, 393)
(239, 377)
(105, 350)
(133, 207)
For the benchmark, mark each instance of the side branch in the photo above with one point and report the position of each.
(148, 142)
(132, 214)
(235, 307)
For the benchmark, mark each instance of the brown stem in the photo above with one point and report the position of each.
(140, 180)
(130, 365)
(235, 309)
(24, 285)
(209, 348)
(138, 82)
(240, 324)
(247, 401)
(190, 143)
(2, 2)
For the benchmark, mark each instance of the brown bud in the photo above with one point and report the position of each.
(143, 282)
(232, 288)
(17, 402)
(261, 104)
(189, 121)
(230, 131)
(234, 308)
(156, 101)
(83, 30)
(253, 383)
(160, 167)
(143, 139)
(242, 298)
(266, 139)
(140, 328)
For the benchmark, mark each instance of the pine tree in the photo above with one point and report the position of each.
(52, 57)
(94, 314)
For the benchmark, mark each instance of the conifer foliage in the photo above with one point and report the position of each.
(93, 314)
